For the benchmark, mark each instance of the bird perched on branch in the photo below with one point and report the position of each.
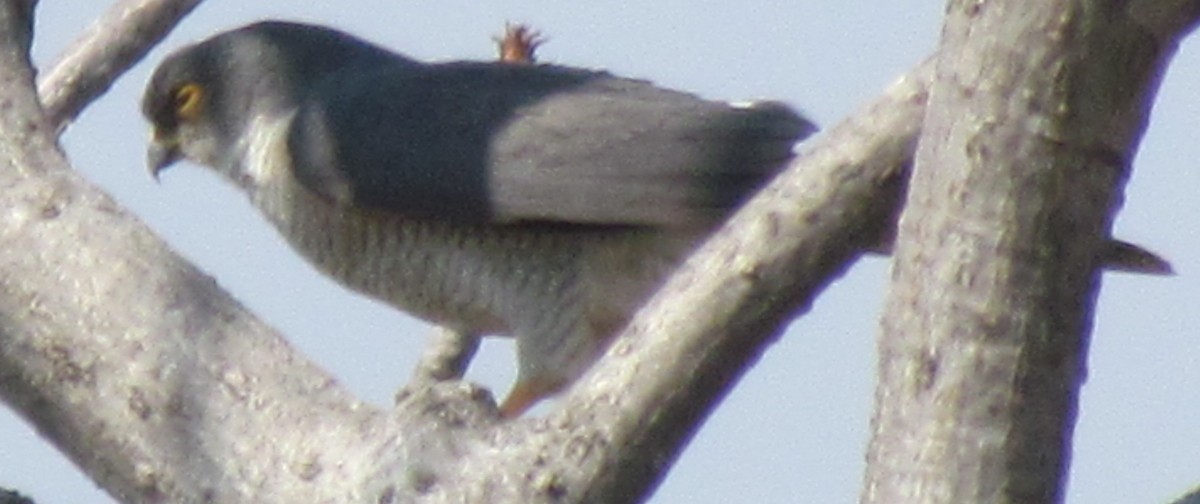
(537, 201)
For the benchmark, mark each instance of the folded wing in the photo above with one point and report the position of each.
(497, 143)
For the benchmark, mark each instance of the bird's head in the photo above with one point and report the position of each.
(188, 105)
(202, 98)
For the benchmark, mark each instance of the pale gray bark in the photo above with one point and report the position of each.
(163, 389)
(1034, 116)
(112, 44)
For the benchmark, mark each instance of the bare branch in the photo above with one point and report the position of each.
(19, 19)
(1168, 20)
(21, 118)
(776, 255)
(135, 364)
(1030, 131)
(109, 47)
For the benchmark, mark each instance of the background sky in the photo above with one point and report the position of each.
(796, 428)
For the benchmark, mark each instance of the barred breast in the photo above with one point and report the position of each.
(562, 289)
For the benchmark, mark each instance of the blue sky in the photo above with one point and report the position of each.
(795, 429)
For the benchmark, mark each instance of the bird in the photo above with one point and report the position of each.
(537, 201)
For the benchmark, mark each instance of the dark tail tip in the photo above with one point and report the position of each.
(1124, 256)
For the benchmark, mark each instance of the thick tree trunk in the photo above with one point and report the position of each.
(1034, 117)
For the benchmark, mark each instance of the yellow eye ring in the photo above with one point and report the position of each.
(189, 101)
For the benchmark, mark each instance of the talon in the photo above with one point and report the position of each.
(525, 394)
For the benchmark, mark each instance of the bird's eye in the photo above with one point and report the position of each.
(189, 101)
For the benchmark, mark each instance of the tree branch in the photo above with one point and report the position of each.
(1033, 120)
(109, 47)
(1168, 21)
(716, 316)
(133, 363)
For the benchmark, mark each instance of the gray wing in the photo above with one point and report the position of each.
(482, 142)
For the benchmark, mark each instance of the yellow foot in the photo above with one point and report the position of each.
(525, 394)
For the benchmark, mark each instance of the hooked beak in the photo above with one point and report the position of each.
(162, 152)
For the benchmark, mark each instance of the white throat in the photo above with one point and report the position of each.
(264, 153)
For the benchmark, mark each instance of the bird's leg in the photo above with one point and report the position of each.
(447, 355)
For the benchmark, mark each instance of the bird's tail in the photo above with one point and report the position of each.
(1118, 255)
